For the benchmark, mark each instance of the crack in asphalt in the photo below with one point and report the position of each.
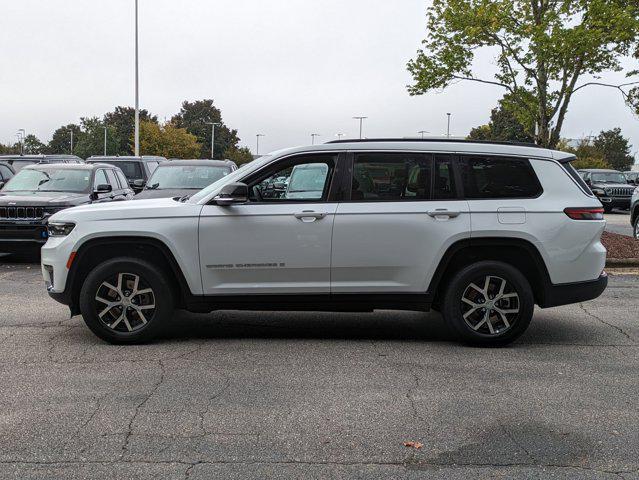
(619, 329)
(156, 386)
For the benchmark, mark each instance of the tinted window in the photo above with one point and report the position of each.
(392, 177)
(185, 176)
(122, 178)
(498, 177)
(443, 178)
(579, 177)
(132, 170)
(112, 180)
(298, 181)
(5, 173)
(152, 166)
(63, 180)
(100, 178)
(20, 164)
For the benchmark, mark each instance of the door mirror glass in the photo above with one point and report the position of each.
(139, 183)
(1, 184)
(103, 188)
(231, 194)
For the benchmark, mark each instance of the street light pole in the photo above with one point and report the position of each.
(313, 135)
(137, 87)
(339, 135)
(71, 141)
(22, 132)
(257, 148)
(448, 130)
(361, 121)
(213, 125)
(423, 132)
(105, 140)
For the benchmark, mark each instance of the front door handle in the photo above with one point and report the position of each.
(308, 216)
(443, 212)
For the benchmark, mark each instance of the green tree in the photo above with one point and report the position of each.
(546, 51)
(61, 141)
(167, 141)
(588, 156)
(615, 149)
(196, 118)
(239, 155)
(33, 145)
(504, 126)
(122, 119)
(91, 138)
(9, 149)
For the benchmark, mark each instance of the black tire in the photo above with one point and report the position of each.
(636, 228)
(607, 209)
(150, 277)
(454, 308)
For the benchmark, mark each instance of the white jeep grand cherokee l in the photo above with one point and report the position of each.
(479, 231)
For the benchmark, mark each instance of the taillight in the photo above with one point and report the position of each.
(585, 213)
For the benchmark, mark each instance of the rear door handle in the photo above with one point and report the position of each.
(308, 216)
(442, 212)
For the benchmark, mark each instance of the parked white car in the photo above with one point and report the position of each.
(480, 231)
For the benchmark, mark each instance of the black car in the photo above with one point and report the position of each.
(38, 191)
(177, 178)
(6, 173)
(137, 170)
(18, 162)
(610, 187)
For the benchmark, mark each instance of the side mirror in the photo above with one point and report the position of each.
(232, 193)
(139, 183)
(1, 184)
(636, 182)
(103, 188)
(279, 186)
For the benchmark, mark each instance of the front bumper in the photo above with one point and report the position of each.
(20, 236)
(615, 202)
(569, 293)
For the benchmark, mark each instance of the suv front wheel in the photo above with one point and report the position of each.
(488, 303)
(126, 300)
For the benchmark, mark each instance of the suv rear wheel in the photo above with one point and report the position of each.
(488, 303)
(636, 230)
(126, 300)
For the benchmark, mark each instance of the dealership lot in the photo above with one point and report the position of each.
(619, 222)
(307, 395)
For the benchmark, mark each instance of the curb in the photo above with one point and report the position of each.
(622, 262)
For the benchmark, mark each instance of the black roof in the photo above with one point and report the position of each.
(435, 140)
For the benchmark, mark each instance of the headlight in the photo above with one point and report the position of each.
(59, 229)
(636, 192)
(598, 191)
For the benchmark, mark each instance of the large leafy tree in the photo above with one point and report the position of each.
(239, 155)
(615, 149)
(122, 119)
(503, 126)
(91, 138)
(167, 141)
(33, 145)
(196, 118)
(61, 141)
(545, 51)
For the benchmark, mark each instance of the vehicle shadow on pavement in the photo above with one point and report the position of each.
(380, 325)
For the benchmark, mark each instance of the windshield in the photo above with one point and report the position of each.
(231, 177)
(609, 177)
(185, 177)
(63, 180)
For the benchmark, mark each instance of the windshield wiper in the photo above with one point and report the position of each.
(153, 187)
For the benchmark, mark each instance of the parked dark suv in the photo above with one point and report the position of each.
(137, 170)
(38, 191)
(6, 173)
(632, 177)
(610, 187)
(18, 162)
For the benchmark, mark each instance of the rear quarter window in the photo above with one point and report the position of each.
(487, 177)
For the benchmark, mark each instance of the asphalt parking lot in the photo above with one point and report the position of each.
(619, 222)
(272, 395)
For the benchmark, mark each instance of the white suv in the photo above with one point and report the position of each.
(479, 231)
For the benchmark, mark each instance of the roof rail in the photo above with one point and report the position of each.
(447, 140)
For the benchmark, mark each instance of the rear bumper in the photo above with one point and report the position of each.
(569, 293)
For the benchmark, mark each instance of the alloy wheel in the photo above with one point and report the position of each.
(637, 229)
(490, 305)
(125, 303)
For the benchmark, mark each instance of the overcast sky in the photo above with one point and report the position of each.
(285, 68)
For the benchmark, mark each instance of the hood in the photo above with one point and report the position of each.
(613, 185)
(42, 199)
(168, 193)
(129, 210)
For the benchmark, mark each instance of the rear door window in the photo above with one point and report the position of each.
(100, 178)
(486, 177)
(122, 178)
(113, 181)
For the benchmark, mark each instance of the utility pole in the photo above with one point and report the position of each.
(137, 87)
(313, 135)
(105, 140)
(213, 125)
(257, 149)
(448, 129)
(22, 132)
(361, 121)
